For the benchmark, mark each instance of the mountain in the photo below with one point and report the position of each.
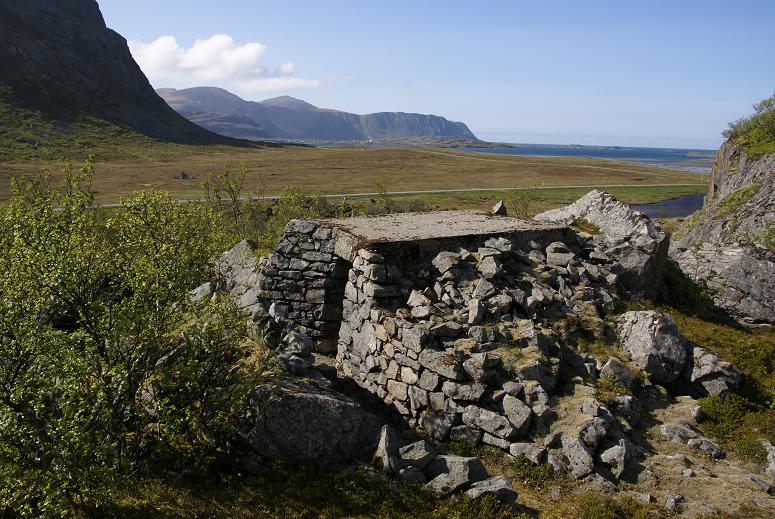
(286, 117)
(59, 63)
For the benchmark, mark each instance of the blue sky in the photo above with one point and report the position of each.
(653, 73)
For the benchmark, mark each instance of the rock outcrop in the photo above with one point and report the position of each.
(728, 245)
(299, 422)
(59, 58)
(629, 237)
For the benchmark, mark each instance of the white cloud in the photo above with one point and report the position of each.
(215, 61)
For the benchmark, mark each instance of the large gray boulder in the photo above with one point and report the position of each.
(728, 246)
(652, 340)
(638, 245)
(298, 422)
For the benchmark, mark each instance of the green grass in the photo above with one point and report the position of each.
(756, 133)
(735, 200)
(285, 492)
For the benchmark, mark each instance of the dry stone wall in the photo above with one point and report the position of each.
(302, 282)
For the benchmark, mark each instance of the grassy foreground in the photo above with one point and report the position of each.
(179, 170)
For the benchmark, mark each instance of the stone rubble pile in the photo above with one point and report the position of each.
(443, 474)
(474, 340)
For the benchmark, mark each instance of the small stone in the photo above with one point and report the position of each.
(517, 412)
(620, 373)
(464, 433)
(531, 451)
(489, 267)
(498, 486)
(386, 456)
(417, 454)
(444, 261)
(499, 209)
(476, 311)
(483, 289)
(438, 425)
(672, 502)
(489, 421)
(468, 392)
(708, 447)
(418, 299)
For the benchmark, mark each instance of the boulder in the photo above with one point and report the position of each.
(463, 468)
(628, 237)
(300, 423)
(579, 456)
(652, 340)
(530, 451)
(619, 372)
(489, 421)
(498, 486)
(708, 374)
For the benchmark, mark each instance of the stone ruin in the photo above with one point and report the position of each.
(467, 325)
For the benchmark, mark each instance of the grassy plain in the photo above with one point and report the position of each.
(330, 171)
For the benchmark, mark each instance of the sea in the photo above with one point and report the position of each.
(693, 160)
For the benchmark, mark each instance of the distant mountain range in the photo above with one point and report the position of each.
(58, 60)
(288, 118)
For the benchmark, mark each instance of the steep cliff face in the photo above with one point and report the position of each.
(59, 58)
(730, 244)
(288, 118)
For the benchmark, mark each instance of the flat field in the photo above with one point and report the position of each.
(426, 173)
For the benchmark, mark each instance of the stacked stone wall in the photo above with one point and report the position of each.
(302, 282)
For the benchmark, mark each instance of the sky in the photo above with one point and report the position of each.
(630, 73)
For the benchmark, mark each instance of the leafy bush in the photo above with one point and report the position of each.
(756, 133)
(104, 359)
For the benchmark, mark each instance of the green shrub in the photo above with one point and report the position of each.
(104, 359)
(756, 133)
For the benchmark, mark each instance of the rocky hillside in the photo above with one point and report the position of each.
(729, 246)
(58, 60)
(483, 353)
(288, 118)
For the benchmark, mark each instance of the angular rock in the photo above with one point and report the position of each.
(499, 209)
(471, 392)
(417, 454)
(298, 422)
(386, 457)
(619, 372)
(438, 425)
(557, 253)
(463, 469)
(531, 451)
(464, 433)
(708, 447)
(444, 261)
(518, 413)
(579, 456)
(443, 363)
(489, 421)
(630, 238)
(653, 342)
(498, 486)
(483, 290)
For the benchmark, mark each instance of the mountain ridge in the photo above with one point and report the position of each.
(58, 58)
(294, 119)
